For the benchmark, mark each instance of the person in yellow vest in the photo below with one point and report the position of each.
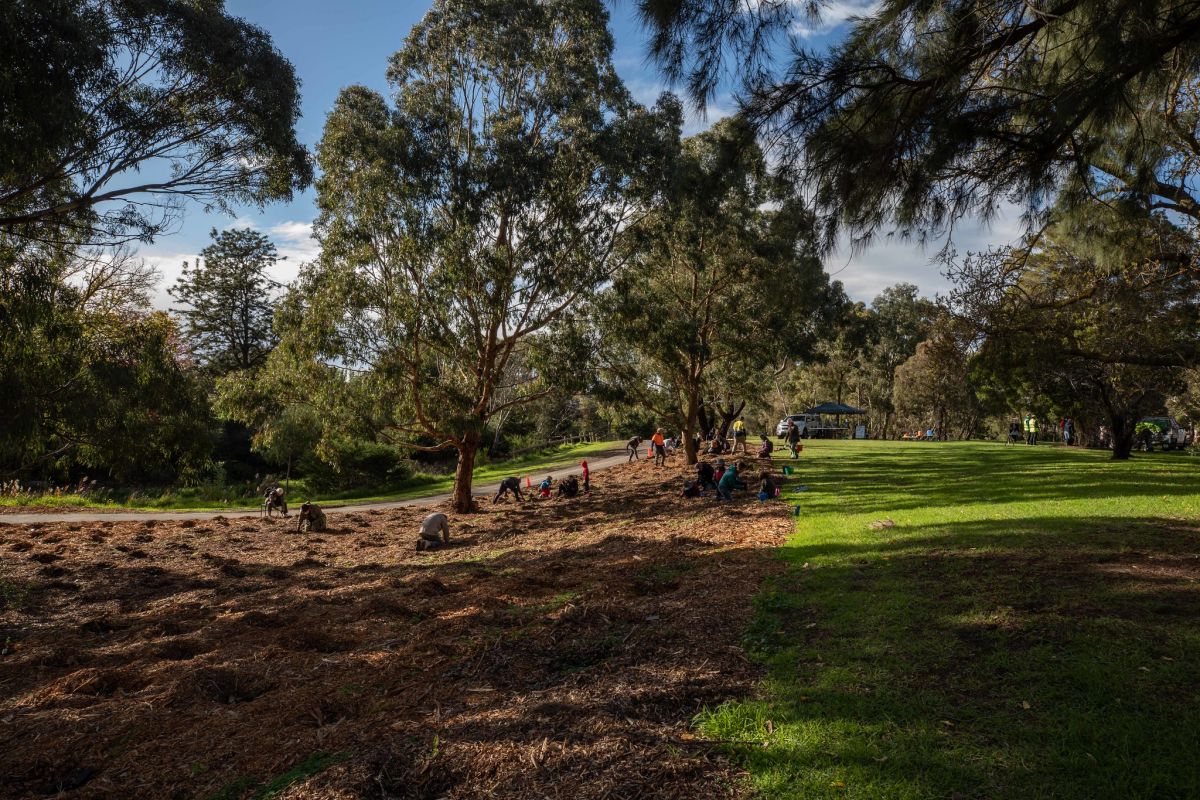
(739, 435)
(1031, 428)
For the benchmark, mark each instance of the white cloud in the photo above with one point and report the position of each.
(832, 16)
(170, 264)
(292, 238)
(887, 262)
(296, 243)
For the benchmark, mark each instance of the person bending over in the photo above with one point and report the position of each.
(765, 447)
(569, 487)
(632, 446)
(312, 519)
(705, 476)
(508, 485)
(435, 532)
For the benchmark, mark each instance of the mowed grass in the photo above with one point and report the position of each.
(1029, 628)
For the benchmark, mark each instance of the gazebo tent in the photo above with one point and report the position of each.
(837, 410)
(834, 408)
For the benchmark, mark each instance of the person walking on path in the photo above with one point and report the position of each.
(660, 448)
(739, 435)
(632, 446)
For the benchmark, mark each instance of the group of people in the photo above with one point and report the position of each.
(725, 480)
(713, 444)
(1029, 427)
(569, 486)
(311, 518)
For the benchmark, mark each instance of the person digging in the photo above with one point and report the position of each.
(312, 519)
(435, 532)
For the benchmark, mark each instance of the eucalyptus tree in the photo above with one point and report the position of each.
(113, 112)
(726, 284)
(468, 217)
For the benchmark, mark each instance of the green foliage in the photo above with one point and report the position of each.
(112, 112)
(88, 377)
(468, 219)
(1060, 330)
(228, 301)
(925, 113)
(722, 285)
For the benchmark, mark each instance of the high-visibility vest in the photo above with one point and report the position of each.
(1033, 425)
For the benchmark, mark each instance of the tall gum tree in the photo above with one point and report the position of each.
(474, 212)
(726, 284)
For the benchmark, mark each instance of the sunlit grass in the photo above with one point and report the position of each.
(1030, 627)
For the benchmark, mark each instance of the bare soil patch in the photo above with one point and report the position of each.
(556, 649)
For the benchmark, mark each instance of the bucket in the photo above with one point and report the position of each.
(796, 511)
(787, 470)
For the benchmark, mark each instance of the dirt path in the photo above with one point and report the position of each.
(115, 515)
(556, 649)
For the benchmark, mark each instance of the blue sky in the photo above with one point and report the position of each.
(336, 44)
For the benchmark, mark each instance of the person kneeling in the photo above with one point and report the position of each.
(432, 527)
(569, 487)
(765, 447)
(312, 519)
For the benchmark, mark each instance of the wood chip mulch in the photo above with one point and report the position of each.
(557, 649)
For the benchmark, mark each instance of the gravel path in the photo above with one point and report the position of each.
(488, 489)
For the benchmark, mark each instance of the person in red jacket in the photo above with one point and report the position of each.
(587, 486)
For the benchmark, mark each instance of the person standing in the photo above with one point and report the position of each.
(632, 446)
(1069, 431)
(587, 484)
(660, 448)
(739, 435)
(793, 438)
(1032, 429)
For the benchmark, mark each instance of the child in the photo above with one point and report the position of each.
(719, 470)
(544, 487)
(587, 484)
(569, 487)
(705, 476)
(691, 489)
(729, 481)
(766, 486)
(764, 446)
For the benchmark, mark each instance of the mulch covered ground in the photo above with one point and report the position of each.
(558, 649)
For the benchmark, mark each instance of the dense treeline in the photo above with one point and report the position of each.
(512, 248)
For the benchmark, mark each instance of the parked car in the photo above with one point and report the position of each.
(803, 421)
(1162, 432)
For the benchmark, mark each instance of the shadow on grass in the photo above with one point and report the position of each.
(1057, 658)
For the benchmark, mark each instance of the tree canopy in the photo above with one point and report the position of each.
(474, 213)
(112, 112)
(925, 113)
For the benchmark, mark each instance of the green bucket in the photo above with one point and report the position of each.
(787, 470)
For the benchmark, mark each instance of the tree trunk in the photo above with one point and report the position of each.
(728, 415)
(464, 473)
(287, 477)
(1122, 435)
(689, 428)
(703, 417)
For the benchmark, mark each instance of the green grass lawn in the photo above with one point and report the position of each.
(420, 485)
(1029, 628)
